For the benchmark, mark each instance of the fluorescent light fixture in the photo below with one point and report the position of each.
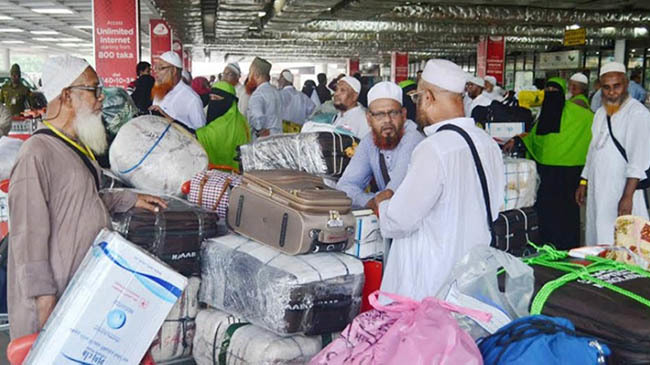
(52, 11)
(6, 17)
(73, 39)
(641, 31)
(39, 47)
(11, 30)
(46, 39)
(68, 44)
(13, 42)
(573, 27)
(83, 26)
(261, 13)
(44, 32)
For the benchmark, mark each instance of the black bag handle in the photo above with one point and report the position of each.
(479, 169)
(384, 169)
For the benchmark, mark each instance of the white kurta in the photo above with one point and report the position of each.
(184, 105)
(438, 213)
(296, 106)
(607, 171)
(353, 120)
(494, 95)
(467, 101)
(480, 100)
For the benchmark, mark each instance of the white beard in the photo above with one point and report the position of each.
(90, 130)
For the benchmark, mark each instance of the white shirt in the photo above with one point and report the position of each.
(466, 103)
(184, 105)
(480, 100)
(296, 106)
(264, 109)
(354, 120)
(494, 95)
(438, 213)
(607, 171)
(242, 96)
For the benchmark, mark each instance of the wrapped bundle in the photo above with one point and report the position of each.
(117, 109)
(521, 183)
(311, 294)
(175, 337)
(319, 153)
(631, 241)
(222, 338)
(9, 148)
(153, 155)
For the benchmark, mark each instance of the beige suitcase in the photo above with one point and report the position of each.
(292, 211)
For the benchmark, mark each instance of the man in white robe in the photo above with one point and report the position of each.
(475, 93)
(611, 178)
(296, 106)
(438, 213)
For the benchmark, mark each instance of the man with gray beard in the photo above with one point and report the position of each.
(56, 208)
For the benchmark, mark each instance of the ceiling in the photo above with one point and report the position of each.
(370, 29)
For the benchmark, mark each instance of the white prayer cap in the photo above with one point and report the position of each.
(385, 90)
(612, 67)
(491, 79)
(235, 67)
(287, 75)
(445, 74)
(580, 77)
(353, 82)
(477, 81)
(172, 58)
(60, 72)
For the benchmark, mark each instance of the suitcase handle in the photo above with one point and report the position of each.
(319, 244)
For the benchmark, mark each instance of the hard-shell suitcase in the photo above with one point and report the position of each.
(175, 337)
(174, 234)
(310, 294)
(225, 339)
(321, 153)
(292, 211)
(211, 190)
(513, 229)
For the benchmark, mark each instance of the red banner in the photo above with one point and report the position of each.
(160, 36)
(496, 57)
(177, 47)
(353, 66)
(481, 58)
(116, 40)
(187, 60)
(399, 70)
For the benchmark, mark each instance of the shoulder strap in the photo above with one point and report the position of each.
(384, 169)
(89, 165)
(479, 168)
(616, 142)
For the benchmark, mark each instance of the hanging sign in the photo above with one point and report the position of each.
(399, 66)
(160, 36)
(565, 60)
(575, 37)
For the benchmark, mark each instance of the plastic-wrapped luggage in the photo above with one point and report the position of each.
(513, 229)
(9, 148)
(176, 336)
(293, 211)
(174, 234)
(521, 183)
(112, 308)
(320, 153)
(117, 109)
(224, 339)
(310, 294)
(211, 190)
(153, 155)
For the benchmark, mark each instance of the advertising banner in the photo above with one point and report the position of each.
(161, 37)
(481, 57)
(116, 40)
(353, 66)
(399, 67)
(496, 57)
(177, 47)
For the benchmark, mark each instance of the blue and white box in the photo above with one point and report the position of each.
(368, 242)
(112, 308)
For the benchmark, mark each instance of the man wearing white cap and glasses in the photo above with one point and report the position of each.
(618, 158)
(438, 213)
(231, 74)
(296, 106)
(491, 90)
(579, 89)
(385, 152)
(56, 207)
(351, 115)
(475, 92)
(172, 98)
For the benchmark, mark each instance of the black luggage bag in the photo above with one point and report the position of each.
(513, 229)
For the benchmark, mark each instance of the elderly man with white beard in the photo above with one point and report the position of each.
(56, 208)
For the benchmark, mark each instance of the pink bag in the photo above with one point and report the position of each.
(211, 190)
(405, 332)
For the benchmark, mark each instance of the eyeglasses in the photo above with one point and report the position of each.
(160, 69)
(96, 89)
(389, 114)
(416, 96)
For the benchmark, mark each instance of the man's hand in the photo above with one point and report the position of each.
(625, 205)
(580, 195)
(383, 195)
(150, 203)
(372, 204)
(44, 305)
(508, 146)
(264, 133)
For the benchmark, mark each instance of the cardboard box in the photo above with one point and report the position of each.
(112, 308)
(368, 241)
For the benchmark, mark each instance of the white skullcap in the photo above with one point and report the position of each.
(580, 77)
(385, 90)
(477, 81)
(353, 82)
(491, 79)
(60, 72)
(445, 74)
(612, 67)
(287, 75)
(235, 67)
(186, 75)
(172, 58)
